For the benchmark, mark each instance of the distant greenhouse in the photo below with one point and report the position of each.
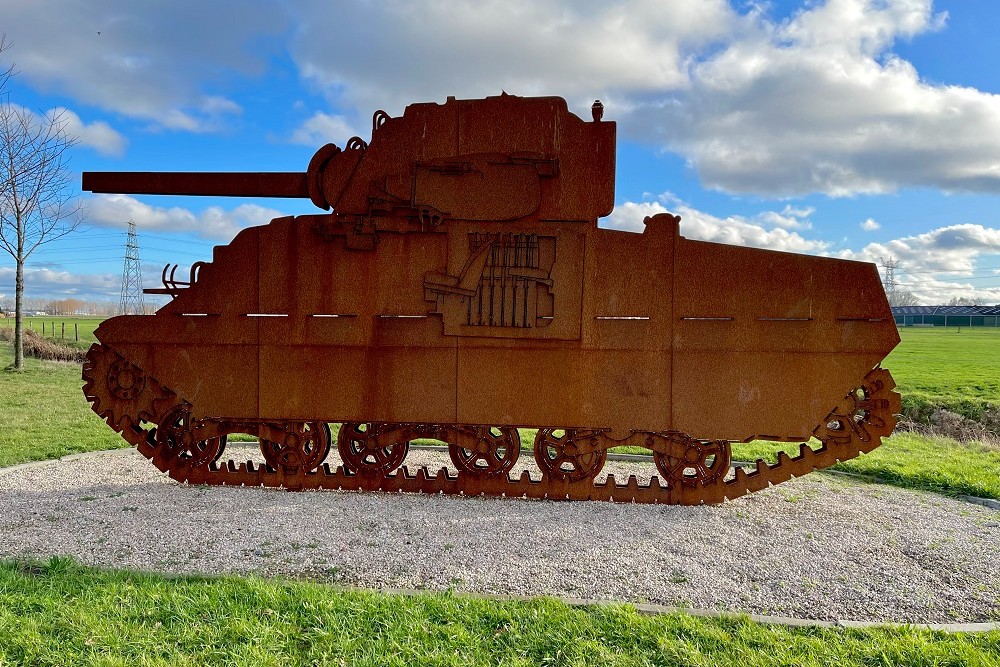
(947, 316)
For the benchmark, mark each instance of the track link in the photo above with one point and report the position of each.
(112, 385)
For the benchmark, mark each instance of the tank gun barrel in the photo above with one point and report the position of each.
(214, 184)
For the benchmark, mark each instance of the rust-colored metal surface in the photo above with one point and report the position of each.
(459, 289)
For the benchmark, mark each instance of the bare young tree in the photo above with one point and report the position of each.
(904, 298)
(966, 301)
(37, 205)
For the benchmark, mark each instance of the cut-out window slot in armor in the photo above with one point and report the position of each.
(633, 318)
(861, 319)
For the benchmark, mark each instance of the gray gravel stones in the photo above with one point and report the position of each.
(820, 547)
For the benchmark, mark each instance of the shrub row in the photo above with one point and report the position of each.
(39, 347)
(963, 419)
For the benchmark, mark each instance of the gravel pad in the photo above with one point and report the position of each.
(821, 547)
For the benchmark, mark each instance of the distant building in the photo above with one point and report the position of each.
(946, 316)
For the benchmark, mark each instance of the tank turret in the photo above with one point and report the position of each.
(458, 288)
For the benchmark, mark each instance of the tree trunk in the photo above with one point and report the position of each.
(18, 317)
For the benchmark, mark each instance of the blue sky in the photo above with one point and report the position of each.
(852, 128)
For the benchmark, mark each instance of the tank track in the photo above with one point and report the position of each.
(160, 425)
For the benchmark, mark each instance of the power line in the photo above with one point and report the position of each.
(131, 302)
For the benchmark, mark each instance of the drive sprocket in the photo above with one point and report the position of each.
(123, 395)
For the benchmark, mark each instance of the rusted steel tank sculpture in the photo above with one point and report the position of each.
(459, 289)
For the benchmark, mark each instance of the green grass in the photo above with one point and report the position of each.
(45, 415)
(58, 613)
(957, 369)
(933, 464)
(54, 328)
(912, 461)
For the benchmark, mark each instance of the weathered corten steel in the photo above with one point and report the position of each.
(460, 288)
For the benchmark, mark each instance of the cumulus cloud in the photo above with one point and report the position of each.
(322, 128)
(870, 225)
(816, 102)
(789, 217)
(940, 264)
(213, 223)
(97, 135)
(425, 51)
(50, 283)
(951, 249)
(819, 103)
(767, 229)
(934, 292)
(167, 62)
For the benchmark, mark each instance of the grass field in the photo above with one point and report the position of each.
(58, 613)
(957, 369)
(53, 328)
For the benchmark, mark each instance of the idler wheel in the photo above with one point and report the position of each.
(370, 449)
(865, 414)
(303, 446)
(689, 461)
(486, 450)
(567, 455)
(178, 442)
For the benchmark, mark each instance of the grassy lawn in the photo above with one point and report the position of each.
(58, 613)
(958, 369)
(45, 415)
(53, 327)
(912, 461)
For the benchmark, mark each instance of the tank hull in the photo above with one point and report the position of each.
(649, 332)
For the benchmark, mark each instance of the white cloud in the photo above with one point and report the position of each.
(97, 135)
(815, 103)
(788, 218)
(951, 249)
(47, 283)
(942, 263)
(322, 128)
(212, 223)
(166, 62)
(870, 225)
(936, 266)
(425, 51)
(819, 103)
(733, 230)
